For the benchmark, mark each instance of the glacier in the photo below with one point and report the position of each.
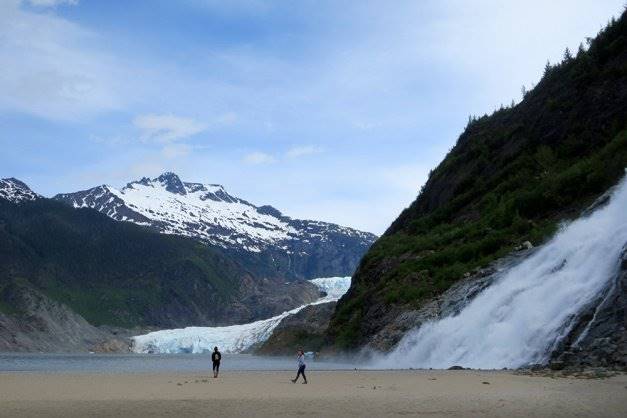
(532, 305)
(233, 338)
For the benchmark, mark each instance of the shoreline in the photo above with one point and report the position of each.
(329, 393)
(108, 363)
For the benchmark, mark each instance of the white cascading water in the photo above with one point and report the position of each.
(530, 307)
(233, 338)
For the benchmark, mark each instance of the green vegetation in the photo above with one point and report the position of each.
(111, 272)
(512, 177)
(284, 342)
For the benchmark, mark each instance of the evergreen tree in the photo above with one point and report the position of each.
(547, 68)
(567, 55)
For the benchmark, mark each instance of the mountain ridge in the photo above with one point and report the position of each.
(257, 235)
(125, 275)
(16, 191)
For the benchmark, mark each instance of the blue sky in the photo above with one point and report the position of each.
(331, 110)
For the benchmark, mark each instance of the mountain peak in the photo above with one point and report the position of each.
(145, 181)
(172, 183)
(16, 191)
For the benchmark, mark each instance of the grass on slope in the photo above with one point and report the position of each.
(512, 177)
(109, 272)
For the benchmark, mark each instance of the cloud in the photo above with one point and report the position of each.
(301, 151)
(52, 3)
(257, 158)
(172, 151)
(53, 68)
(113, 140)
(166, 128)
(374, 84)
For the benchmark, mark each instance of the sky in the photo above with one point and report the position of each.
(329, 110)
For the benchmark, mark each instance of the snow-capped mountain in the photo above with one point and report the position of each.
(301, 248)
(15, 191)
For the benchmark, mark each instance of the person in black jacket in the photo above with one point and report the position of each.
(216, 356)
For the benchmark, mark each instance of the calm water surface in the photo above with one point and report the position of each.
(151, 363)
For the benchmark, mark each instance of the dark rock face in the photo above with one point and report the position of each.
(304, 329)
(258, 299)
(34, 322)
(172, 183)
(389, 326)
(264, 240)
(599, 337)
(92, 198)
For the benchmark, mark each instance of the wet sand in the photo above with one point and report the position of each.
(329, 394)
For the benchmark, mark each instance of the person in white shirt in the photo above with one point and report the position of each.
(301, 366)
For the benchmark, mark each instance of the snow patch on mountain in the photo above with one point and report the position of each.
(15, 191)
(206, 212)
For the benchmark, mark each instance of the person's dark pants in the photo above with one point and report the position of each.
(301, 371)
(216, 368)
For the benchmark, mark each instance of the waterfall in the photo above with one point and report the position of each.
(233, 338)
(531, 306)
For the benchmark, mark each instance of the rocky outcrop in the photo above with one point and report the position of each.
(599, 336)
(30, 321)
(304, 329)
(264, 298)
(394, 324)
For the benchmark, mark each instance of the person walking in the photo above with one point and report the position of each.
(216, 356)
(301, 366)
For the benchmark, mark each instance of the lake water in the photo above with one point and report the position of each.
(151, 363)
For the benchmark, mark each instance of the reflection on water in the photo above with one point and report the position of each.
(151, 363)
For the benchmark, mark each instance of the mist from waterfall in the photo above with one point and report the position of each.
(531, 306)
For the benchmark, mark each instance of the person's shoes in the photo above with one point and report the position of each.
(305, 382)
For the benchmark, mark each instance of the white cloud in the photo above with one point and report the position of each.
(109, 140)
(257, 158)
(166, 128)
(171, 151)
(302, 151)
(52, 3)
(53, 68)
(369, 81)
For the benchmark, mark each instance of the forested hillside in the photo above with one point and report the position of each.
(511, 177)
(121, 274)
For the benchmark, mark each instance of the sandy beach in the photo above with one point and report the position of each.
(329, 394)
